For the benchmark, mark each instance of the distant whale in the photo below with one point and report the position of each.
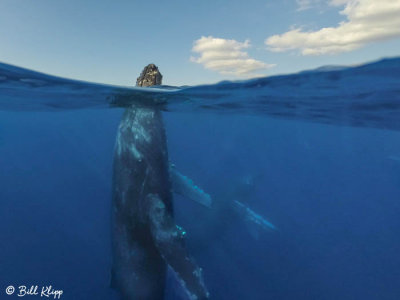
(145, 238)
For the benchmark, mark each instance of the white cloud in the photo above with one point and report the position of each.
(367, 21)
(306, 4)
(226, 57)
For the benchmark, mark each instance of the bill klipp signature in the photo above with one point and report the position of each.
(34, 290)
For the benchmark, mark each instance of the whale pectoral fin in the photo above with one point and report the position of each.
(170, 241)
(184, 186)
(251, 216)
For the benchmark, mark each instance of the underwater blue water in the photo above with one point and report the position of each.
(332, 191)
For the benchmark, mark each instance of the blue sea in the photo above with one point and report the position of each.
(317, 154)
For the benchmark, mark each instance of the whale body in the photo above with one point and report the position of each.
(145, 238)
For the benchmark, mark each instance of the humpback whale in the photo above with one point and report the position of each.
(145, 238)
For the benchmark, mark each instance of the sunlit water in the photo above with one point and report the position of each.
(317, 153)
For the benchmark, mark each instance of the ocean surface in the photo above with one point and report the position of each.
(315, 153)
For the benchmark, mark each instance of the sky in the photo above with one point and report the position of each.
(194, 42)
